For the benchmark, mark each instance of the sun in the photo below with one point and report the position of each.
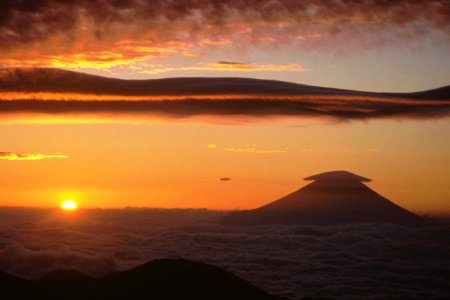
(69, 205)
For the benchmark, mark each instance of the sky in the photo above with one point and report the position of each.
(237, 161)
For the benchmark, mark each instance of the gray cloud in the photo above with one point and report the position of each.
(31, 21)
(352, 262)
(106, 33)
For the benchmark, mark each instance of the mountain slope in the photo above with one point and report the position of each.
(336, 197)
(176, 279)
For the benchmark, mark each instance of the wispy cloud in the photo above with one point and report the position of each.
(29, 156)
(229, 67)
(120, 54)
(251, 148)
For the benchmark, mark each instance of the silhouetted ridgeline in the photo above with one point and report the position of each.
(162, 279)
(337, 197)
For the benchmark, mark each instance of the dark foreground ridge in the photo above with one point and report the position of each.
(333, 198)
(160, 279)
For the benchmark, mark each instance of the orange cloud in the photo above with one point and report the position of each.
(228, 66)
(29, 156)
(254, 149)
(121, 53)
(236, 66)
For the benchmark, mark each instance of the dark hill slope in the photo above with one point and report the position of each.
(176, 279)
(336, 197)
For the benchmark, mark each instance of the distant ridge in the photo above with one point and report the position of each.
(163, 279)
(58, 80)
(336, 197)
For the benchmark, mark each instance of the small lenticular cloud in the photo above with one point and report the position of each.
(225, 179)
(254, 149)
(29, 156)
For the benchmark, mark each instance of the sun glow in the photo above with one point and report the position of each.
(69, 205)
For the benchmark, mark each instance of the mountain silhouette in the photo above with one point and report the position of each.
(176, 279)
(162, 279)
(336, 197)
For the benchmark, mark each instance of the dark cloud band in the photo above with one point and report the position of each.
(250, 108)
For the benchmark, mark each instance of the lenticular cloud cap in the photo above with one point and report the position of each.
(338, 176)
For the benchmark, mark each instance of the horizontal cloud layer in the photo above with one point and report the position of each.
(351, 261)
(107, 33)
(226, 66)
(57, 92)
(254, 149)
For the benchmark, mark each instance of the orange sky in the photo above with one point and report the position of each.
(170, 164)
(116, 151)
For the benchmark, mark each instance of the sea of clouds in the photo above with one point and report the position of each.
(344, 262)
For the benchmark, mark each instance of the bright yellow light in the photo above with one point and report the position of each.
(69, 205)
